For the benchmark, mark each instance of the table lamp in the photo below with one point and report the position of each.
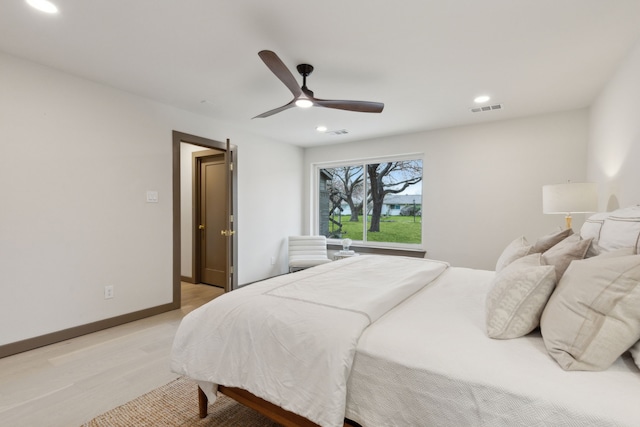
(572, 197)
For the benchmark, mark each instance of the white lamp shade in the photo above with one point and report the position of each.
(573, 197)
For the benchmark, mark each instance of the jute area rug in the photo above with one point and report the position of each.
(176, 404)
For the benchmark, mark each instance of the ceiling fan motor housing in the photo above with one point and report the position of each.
(305, 69)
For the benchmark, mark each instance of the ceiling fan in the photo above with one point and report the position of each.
(302, 96)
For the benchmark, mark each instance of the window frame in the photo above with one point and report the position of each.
(315, 199)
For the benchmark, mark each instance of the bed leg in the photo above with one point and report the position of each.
(203, 402)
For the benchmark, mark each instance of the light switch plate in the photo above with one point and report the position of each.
(152, 196)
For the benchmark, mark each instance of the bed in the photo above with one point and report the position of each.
(305, 349)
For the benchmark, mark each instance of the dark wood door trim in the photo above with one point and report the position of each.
(179, 137)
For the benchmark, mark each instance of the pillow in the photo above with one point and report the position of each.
(592, 226)
(569, 249)
(517, 297)
(621, 229)
(635, 353)
(547, 241)
(618, 252)
(591, 230)
(514, 250)
(592, 317)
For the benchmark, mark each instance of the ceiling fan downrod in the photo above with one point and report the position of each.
(305, 70)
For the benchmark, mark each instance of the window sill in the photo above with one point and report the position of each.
(416, 253)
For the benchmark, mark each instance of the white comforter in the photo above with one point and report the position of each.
(429, 362)
(291, 340)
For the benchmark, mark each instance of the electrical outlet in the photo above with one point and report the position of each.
(273, 260)
(108, 292)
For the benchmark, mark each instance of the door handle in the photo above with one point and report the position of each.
(201, 227)
(227, 233)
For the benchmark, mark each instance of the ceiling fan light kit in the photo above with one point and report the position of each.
(304, 103)
(302, 95)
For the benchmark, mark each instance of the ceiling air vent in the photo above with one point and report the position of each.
(338, 132)
(486, 108)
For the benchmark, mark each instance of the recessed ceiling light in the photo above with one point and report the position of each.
(321, 128)
(482, 98)
(43, 6)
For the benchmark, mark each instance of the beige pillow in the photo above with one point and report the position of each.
(514, 250)
(517, 297)
(618, 252)
(547, 241)
(569, 249)
(635, 353)
(592, 317)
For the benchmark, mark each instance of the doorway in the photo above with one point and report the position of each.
(186, 231)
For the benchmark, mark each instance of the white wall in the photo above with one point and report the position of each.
(482, 184)
(614, 143)
(271, 213)
(76, 159)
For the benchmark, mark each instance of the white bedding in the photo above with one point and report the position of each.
(429, 362)
(291, 339)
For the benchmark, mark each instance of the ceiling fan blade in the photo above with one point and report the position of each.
(281, 71)
(359, 106)
(277, 110)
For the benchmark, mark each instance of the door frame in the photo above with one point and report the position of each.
(178, 138)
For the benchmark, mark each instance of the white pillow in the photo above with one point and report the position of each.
(591, 230)
(514, 250)
(621, 229)
(517, 297)
(592, 226)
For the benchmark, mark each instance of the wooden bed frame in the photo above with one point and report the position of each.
(268, 409)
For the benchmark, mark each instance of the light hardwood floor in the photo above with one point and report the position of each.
(69, 383)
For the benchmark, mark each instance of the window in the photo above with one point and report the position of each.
(373, 202)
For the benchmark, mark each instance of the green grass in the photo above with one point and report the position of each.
(399, 229)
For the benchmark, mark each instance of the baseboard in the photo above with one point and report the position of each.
(187, 279)
(76, 331)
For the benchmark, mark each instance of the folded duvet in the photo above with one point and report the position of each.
(291, 340)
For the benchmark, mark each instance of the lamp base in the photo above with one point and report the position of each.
(568, 220)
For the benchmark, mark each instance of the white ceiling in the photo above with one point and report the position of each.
(425, 59)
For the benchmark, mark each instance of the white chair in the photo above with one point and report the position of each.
(307, 251)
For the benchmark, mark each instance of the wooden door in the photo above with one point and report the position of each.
(214, 196)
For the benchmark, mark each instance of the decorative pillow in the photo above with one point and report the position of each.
(517, 297)
(621, 229)
(592, 316)
(514, 250)
(569, 249)
(635, 353)
(547, 241)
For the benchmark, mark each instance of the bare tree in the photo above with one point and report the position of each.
(349, 181)
(389, 178)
